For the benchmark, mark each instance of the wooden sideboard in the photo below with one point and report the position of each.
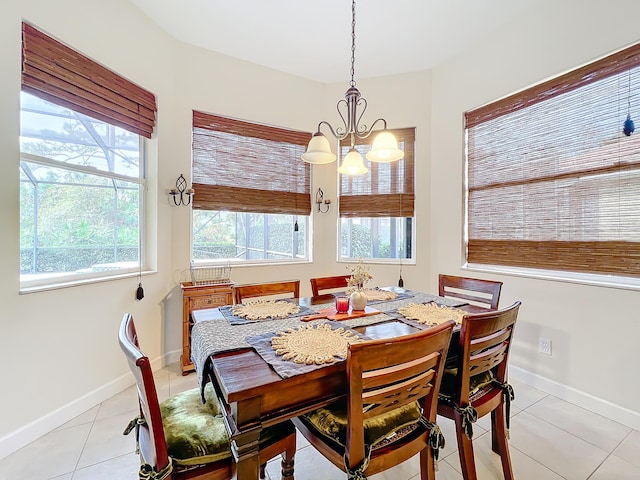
(196, 297)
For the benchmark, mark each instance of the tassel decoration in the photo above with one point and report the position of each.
(139, 292)
(628, 127)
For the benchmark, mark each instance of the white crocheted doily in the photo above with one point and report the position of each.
(261, 309)
(311, 344)
(431, 313)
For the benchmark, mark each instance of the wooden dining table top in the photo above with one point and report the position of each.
(255, 396)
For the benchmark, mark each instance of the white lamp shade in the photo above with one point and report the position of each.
(319, 151)
(385, 148)
(353, 164)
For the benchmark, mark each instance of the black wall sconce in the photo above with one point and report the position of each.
(321, 201)
(181, 194)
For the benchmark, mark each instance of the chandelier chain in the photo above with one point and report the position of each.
(385, 147)
(353, 42)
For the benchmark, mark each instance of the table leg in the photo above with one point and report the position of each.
(245, 439)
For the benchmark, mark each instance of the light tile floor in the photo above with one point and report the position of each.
(550, 440)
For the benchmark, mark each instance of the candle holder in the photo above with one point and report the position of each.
(321, 201)
(181, 194)
(342, 304)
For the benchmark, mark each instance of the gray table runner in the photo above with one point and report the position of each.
(227, 313)
(214, 336)
(286, 368)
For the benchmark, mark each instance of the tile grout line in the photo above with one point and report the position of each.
(584, 439)
(611, 454)
(75, 468)
(175, 382)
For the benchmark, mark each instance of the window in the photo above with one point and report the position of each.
(81, 166)
(252, 192)
(376, 209)
(552, 180)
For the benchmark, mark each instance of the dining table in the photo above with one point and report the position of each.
(258, 389)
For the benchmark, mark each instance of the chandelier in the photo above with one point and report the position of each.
(385, 146)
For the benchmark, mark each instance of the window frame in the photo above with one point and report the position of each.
(592, 75)
(221, 193)
(59, 74)
(405, 194)
(59, 280)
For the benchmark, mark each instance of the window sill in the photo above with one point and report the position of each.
(257, 263)
(607, 281)
(380, 261)
(68, 282)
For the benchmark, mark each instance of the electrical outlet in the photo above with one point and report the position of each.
(544, 346)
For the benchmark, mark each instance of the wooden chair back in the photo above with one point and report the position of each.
(485, 293)
(153, 447)
(384, 375)
(320, 284)
(151, 435)
(291, 287)
(485, 343)
(151, 439)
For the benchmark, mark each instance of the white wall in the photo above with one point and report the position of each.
(593, 329)
(58, 349)
(221, 85)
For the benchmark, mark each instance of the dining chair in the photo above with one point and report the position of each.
(320, 284)
(478, 384)
(389, 413)
(267, 289)
(183, 438)
(483, 292)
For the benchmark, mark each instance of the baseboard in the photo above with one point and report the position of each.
(171, 358)
(32, 431)
(587, 401)
(43, 425)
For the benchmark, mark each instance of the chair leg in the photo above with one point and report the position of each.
(262, 471)
(427, 465)
(499, 434)
(465, 450)
(494, 434)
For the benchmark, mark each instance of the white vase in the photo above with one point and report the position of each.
(358, 300)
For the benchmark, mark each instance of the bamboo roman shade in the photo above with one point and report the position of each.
(247, 167)
(553, 182)
(59, 74)
(387, 190)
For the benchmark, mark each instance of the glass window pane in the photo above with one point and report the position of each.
(221, 235)
(76, 224)
(80, 223)
(553, 178)
(380, 237)
(54, 132)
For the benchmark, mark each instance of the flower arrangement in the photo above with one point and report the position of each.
(359, 275)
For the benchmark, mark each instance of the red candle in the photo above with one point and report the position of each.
(342, 304)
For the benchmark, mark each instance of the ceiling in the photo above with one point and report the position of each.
(312, 39)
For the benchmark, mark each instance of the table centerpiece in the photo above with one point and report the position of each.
(359, 277)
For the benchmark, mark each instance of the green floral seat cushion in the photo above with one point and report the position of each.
(195, 432)
(331, 421)
(476, 382)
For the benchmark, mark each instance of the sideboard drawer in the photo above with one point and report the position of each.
(209, 301)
